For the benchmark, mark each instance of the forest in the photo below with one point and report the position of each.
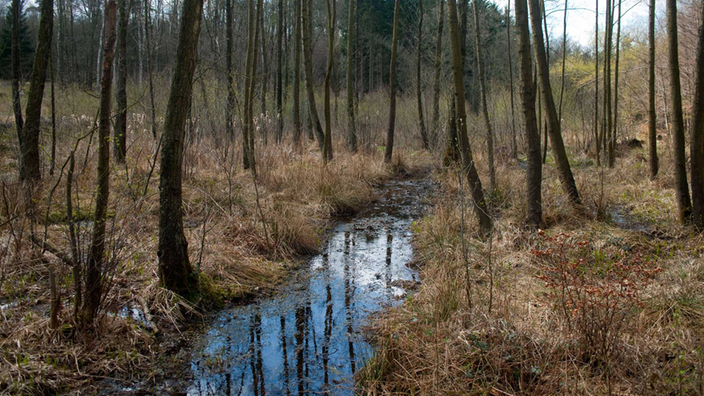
(377, 197)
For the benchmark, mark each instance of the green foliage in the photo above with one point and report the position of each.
(26, 46)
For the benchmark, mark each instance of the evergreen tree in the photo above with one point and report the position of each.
(26, 46)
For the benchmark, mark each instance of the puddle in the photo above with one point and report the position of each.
(621, 217)
(308, 338)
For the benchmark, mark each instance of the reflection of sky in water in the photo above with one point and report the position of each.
(306, 339)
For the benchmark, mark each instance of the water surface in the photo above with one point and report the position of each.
(308, 338)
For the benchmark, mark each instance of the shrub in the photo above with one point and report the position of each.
(594, 292)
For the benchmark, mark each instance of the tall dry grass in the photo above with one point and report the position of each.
(484, 323)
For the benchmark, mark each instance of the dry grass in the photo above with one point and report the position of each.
(444, 339)
(243, 238)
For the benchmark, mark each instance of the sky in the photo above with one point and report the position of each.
(580, 17)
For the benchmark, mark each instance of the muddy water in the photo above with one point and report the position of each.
(307, 338)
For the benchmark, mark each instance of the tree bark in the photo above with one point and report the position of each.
(175, 271)
(534, 172)
(684, 204)
(279, 75)
(652, 115)
(308, 66)
(297, 77)
(597, 141)
(16, 73)
(558, 147)
(392, 87)
(435, 124)
(351, 125)
(229, 128)
(419, 83)
(149, 67)
(485, 110)
(96, 258)
(120, 131)
(469, 168)
(30, 163)
(514, 142)
(697, 143)
(327, 143)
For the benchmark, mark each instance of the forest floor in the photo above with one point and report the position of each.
(607, 300)
(244, 237)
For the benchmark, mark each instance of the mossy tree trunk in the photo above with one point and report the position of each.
(697, 143)
(120, 130)
(175, 271)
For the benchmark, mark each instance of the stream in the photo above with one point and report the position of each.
(308, 337)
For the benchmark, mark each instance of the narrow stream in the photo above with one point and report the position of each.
(308, 338)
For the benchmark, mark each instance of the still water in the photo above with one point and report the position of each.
(308, 338)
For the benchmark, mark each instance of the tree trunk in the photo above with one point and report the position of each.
(351, 126)
(652, 115)
(392, 87)
(514, 142)
(597, 141)
(229, 106)
(558, 146)
(16, 73)
(480, 206)
(149, 67)
(419, 83)
(435, 126)
(327, 143)
(608, 110)
(30, 167)
(175, 271)
(485, 110)
(120, 131)
(681, 188)
(614, 136)
(534, 172)
(297, 77)
(308, 66)
(96, 258)
(564, 58)
(279, 75)
(697, 143)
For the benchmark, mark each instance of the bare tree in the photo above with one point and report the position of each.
(327, 143)
(297, 77)
(120, 130)
(435, 125)
(468, 166)
(534, 173)
(30, 163)
(16, 73)
(392, 87)
(697, 143)
(652, 115)
(229, 106)
(279, 74)
(308, 66)
(514, 143)
(175, 271)
(351, 126)
(684, 204)
(96, 258)
(485, 109)
(419, 83)
(554, 130)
